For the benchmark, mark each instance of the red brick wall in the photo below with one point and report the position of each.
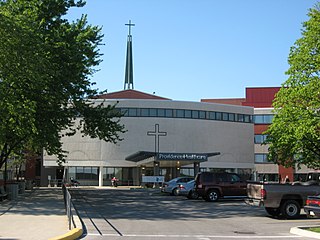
(260, 97)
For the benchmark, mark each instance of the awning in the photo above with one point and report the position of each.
(169, 159)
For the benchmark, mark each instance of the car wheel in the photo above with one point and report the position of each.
(212, 196)
(274, 212)
(290, 209)
(175, 192)
(193, 195)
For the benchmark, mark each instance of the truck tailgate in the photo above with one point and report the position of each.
(254, 190)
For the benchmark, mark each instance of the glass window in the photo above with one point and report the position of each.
(118, 173)
(222, 177)
(87, 173)
(79, 173)
(218, 115)
(189, 172)
(231, 117)
(195, 114)
(169, 113)
(144, 112)
(187, 113)
(212, 115)
(108, 173)
(132, 112)
(263, 119)
(72, 172)
(225, 116)
(260, 138)
(95, 173)
(247, 118)
(180, 113)
(161, 112)
(125, 112)
(268, 118)
(234, 178)
(240, 117)
(261, 158)
(202, 114)
(153, 112)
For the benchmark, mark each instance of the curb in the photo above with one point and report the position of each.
(75, 233)
(71, 235)
(302, 231)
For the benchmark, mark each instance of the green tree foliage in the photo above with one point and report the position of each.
(295, 132)
(45, 67)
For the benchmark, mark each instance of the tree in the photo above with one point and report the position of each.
(45, 68)
(294, 134)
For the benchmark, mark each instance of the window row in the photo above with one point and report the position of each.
(263, 118)
(260, 138)
(185, 113)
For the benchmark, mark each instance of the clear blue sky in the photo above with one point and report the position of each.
(194, 49)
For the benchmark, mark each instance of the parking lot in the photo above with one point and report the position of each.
(148, 214)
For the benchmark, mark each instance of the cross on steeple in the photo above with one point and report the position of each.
(157, 134)
(130, 25)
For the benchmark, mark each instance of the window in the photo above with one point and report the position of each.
(218, 115)
(192, 114)
(187, 113)
(247, 118)
(144, 112)
(212, 115)
(263, 119)
(231, 117)
(79, 173)
(125, 112)
(195, 114)
(186, 172)
(240, 118)
(153, 112)
(260, 138)
(180, 113)
(202, 114)
(132, 112)
(169, 113)
(95, 173)
(225, 116)
(261, 158)
(234, 178)
(72, 172)
(161, 112)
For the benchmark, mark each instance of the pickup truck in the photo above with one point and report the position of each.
(282, 199)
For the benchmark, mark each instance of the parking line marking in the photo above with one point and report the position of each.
(209, 236)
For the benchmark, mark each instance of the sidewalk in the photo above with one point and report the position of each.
(36, 214)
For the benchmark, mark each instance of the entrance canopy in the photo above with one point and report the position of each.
(169, 159)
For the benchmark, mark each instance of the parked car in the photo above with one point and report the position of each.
(172, 186)
(187, 189)
(284, 200)
(312, 207)
(213, 186)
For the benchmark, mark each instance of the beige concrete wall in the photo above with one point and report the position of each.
(233, 139)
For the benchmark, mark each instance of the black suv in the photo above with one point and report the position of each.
(212, 186)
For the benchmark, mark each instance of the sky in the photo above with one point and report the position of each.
(196, 49)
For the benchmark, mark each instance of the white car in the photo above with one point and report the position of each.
(172, 186)
(187, 189)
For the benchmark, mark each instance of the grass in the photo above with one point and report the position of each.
(314, 229)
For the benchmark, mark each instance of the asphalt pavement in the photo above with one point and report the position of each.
(40, 214)
(36, 214)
